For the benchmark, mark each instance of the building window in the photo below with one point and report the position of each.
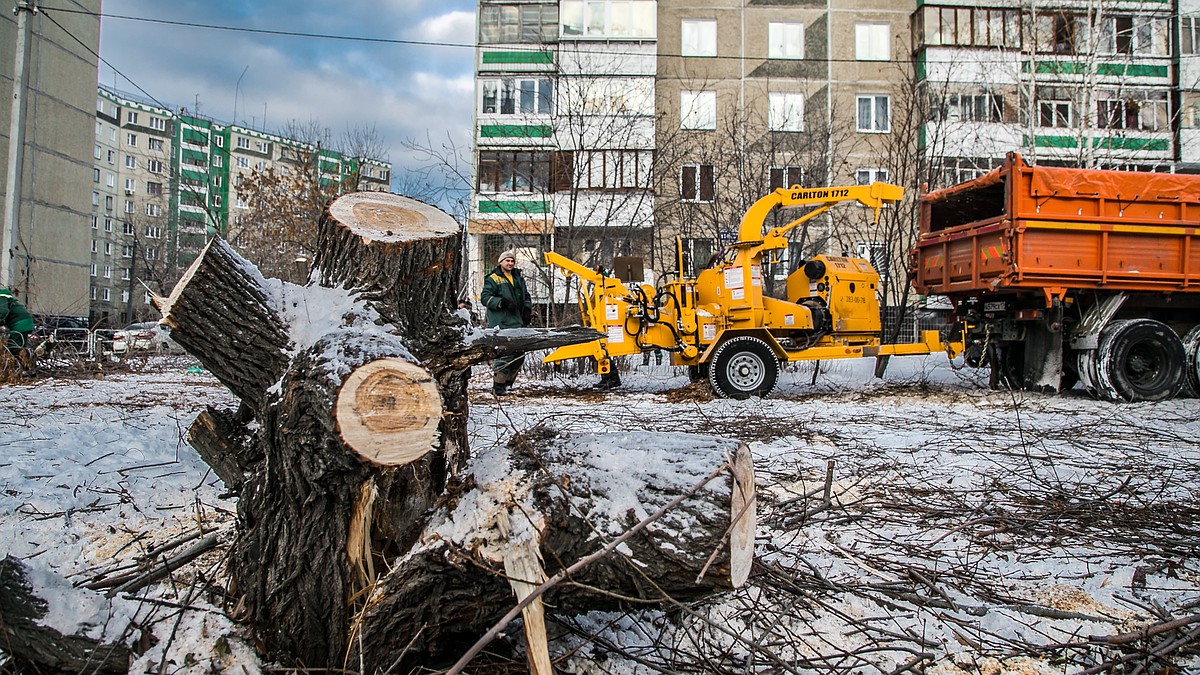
(970, 108)
(154, 144)
(153, 232)
(533, 23)
(243, 143)
(874, 113)
(219, 141)
(93, 266)
(95, 246)
(107, 273)
(107, 248)
(696, 183)
(872, 42)
(131, 140)
(966, 26)
(126, 228)
(218, 161)
(786, 177)
(871, 175)
(111, 180)
(698, 37)
(131, 117)
(106, 293)
(95, 199)
(108, 224)
(1054, 114)
(786, 111)
(698, 110)
(785, 40)
(1056, 33)
(608, 18)
(1145, 114)
(613, 169)
(512, 96)
(95, 175)
(108, 202)
(262, 146)
(154, 166)
(125, 293)
(242, 162)
(153, 188)
(130, 185)
(130, 162)
(112, 155)
(128, 206)
(216, 180)
(158, 123)
(874, 252)
(1141, 35)
(95, 222)
(510, 171)
(153, 210)
(126, 252)
(98, 151)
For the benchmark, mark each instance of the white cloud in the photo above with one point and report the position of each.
(452, 27)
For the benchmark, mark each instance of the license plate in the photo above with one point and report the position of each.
(993, 306)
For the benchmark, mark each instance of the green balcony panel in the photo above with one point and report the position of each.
(515, 131)
(538, 58)
(514, 207)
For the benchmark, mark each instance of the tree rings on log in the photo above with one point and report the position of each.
(388, 412)
(382, 216)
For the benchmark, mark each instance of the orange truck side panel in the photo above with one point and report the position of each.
(1026, 228)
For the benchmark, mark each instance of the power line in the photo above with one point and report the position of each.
(473, 45)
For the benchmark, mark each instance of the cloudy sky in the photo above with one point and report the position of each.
(405, 91)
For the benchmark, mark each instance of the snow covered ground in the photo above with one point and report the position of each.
(966, 530)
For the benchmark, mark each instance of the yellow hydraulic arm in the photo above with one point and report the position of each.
(874, 196)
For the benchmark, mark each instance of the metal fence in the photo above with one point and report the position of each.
(913, 321)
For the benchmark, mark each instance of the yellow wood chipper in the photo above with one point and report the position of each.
(724, 328)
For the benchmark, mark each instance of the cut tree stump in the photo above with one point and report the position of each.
(350, 457)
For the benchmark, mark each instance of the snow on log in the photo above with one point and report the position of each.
(398, 254)
(567, 496)
(222, 312)
(31, 630)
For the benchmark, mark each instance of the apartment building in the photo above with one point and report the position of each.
(44, 222)
(606, 129)
(165, 182)
(1072, 82)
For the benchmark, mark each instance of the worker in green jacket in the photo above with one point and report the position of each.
(17, 319)
(508, 306)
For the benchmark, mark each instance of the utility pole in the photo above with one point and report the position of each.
(24, 10)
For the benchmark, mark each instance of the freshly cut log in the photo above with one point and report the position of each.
(398, 254)
(38, 648)
(226, 311)
(567, 496)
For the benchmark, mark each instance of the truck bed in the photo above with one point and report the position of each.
(1022, 229)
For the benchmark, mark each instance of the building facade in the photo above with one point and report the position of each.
(664, 120)
(165, 182)
(45, 223)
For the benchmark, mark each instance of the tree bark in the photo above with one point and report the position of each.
(39, 648)
(227, 314)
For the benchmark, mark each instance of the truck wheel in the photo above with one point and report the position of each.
(742, 367)
(1138, 360)
(1191, 352)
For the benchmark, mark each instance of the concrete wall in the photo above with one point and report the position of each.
(53, 237)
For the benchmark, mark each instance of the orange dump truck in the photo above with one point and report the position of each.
(1063, 275)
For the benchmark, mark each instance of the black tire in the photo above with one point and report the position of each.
(1191, 353)
(742, 367)
(1138, 360)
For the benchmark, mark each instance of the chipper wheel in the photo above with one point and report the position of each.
(742, 367)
